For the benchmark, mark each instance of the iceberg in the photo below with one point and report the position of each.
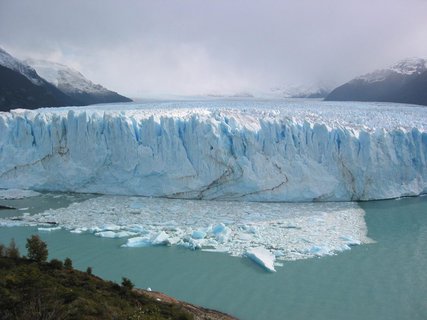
(112, 234)
(161, 239)
(198, 234)
(269, 151)
(263, 257)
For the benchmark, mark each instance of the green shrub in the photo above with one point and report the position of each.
(89, 271)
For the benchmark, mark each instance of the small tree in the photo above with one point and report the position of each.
(68, 264)
(37, 249)
(12, 251)
(2, 250)
(89, 271)
(127, 283)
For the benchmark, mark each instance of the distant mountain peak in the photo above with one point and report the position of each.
(405, 67)
(403, 82)
(409, 66)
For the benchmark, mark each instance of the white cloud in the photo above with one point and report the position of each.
(195, 47)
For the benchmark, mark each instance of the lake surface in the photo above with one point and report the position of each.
(383, 280)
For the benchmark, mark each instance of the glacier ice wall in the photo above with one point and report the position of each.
(233, 154)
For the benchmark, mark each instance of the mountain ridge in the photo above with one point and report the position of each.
(22, 86)
(403, 82)
(74, 84)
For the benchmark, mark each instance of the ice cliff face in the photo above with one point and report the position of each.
(294, 153)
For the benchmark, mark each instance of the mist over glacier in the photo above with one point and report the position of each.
(259, 151)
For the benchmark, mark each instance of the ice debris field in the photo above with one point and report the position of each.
(264, 232)
(227, 150)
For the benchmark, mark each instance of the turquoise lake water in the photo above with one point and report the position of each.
(383, 280)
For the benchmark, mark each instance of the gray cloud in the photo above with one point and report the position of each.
(196, 47)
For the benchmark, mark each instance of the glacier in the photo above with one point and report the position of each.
(219, 150)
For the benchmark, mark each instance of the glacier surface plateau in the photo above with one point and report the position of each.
(227, 150)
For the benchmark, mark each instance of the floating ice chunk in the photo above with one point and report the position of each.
(12, 194)
(193, 244)
(8, 223)
(174, 240)
(49, 229)
(319, 251)
(350, 241)
(137, 242)
(218, 229)
(136, 228)
(161, 239)
(278, 253)
(79, 230)
(110, 227)
(106, 234)
(263, 257)
(221, 232)
(112, 234)
(217, 249)
(198, 234)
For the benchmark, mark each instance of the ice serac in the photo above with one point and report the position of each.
(288, 154)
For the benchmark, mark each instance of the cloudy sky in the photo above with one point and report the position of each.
(191, 47)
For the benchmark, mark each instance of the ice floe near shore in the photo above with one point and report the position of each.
(261, 231)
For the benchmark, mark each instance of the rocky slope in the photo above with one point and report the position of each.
(51, 290)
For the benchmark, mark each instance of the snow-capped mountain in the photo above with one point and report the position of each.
(404, 82)
(73, 83)
(410, 66)
(47, 85)
(22, 87)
